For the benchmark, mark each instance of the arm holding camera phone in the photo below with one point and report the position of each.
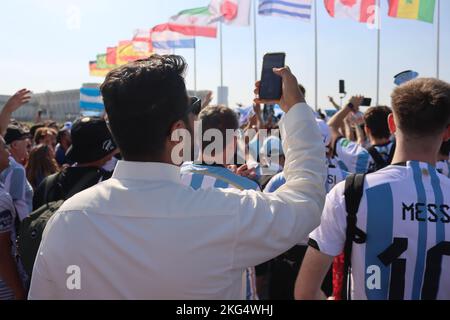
(337, 121)
(291, 93)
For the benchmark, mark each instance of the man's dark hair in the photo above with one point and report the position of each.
(35, 127)
(302, 89)
(376, 119)
(445, 149)
(218, 117)
(422, 107)
(143, 99)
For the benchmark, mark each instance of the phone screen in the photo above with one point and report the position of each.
(271, 85)
(367, 102)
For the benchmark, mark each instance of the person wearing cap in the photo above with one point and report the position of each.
(64, 141)
(143, 234)
(14, 177)
(92, 147)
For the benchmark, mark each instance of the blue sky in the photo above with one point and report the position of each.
(46, 45)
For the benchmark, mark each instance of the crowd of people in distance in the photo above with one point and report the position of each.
(353, 206)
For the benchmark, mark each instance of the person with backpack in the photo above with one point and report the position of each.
(393, 225)
(382, 146)
(353, 156)
(92, 147)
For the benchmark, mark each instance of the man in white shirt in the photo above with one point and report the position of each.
(145, 235)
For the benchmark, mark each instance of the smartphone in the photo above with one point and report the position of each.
(271, 84)
(367, 102)
(342, 87)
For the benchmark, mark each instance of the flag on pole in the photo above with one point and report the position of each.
(194, 22)
(111, 56)
(126, 53)
(142, 41)
(359, 10)
(164, 37)
(231, 12)
(422, 10)
(102, 62)
(298, 9)
(96, 72)
(91, 99)
(142, 35)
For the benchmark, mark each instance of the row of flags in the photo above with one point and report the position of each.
(180, 31)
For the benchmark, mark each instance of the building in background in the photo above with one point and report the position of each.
(60, 106)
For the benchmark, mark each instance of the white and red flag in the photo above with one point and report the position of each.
(231, 12)
(359, 10)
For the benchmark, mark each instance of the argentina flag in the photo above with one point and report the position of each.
(91, 101)
(297, 9)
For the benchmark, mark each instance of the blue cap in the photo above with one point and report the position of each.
(405, 76)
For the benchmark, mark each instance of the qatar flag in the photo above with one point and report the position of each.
(359, 10)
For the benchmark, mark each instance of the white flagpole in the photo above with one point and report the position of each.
(378, 8)
(255, 38)
(221, 54)
(316, 58)
(438, 42)
(195, 64)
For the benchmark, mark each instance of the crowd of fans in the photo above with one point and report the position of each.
(258, 212)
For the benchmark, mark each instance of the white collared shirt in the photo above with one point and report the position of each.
(144, 235)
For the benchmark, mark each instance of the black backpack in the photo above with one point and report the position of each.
(380, 163)
(354, 188)
(32, 227)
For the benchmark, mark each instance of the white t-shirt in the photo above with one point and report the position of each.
(405, 212)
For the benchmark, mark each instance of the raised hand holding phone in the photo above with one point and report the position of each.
(290, 93)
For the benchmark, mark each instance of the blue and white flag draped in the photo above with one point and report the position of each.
(297, 9)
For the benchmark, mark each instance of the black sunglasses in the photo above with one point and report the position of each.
(195, 106)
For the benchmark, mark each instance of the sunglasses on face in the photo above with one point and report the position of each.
(195, 106)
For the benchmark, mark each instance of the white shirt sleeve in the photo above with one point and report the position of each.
(270, 224)
(330, 235)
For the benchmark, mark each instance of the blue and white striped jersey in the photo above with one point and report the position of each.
(204, 177)
(355, 158)
(334, 176)
(352, 156)
(405, 212)
(16, 184)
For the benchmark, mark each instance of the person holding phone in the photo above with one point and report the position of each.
(146, 235)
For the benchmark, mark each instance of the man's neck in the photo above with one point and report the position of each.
(405, 152)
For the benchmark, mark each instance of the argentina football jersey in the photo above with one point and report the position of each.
(352, 156)
(405, 212)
